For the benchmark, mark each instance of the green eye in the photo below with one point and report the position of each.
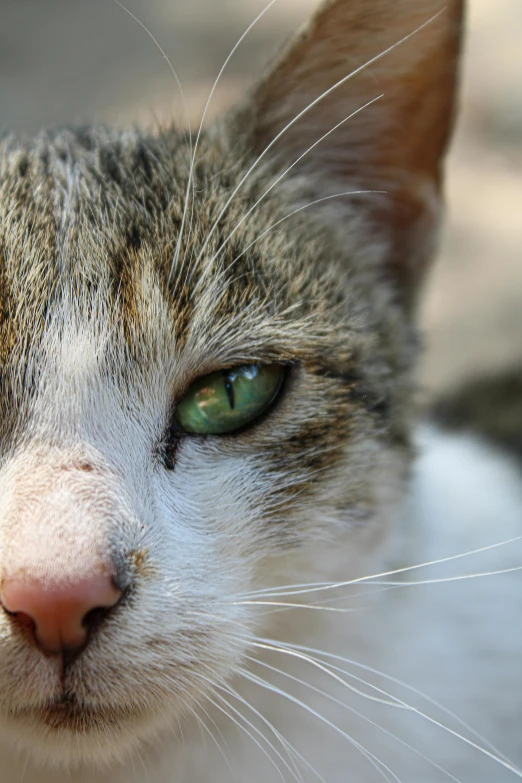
(227, 400)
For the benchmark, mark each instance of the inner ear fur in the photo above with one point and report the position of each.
(405, 50)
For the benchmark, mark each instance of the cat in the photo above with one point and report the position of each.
(227, 552)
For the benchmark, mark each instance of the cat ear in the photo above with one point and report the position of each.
(397, 59)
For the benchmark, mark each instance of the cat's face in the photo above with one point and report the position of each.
(126, 276)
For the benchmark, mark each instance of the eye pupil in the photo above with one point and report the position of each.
(229, 388)
(228, 400)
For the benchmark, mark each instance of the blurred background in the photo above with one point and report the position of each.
(67, 61)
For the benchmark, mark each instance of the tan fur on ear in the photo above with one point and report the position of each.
(404, 50)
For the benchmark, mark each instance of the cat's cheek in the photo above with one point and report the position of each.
(339, 530)
(183, 550)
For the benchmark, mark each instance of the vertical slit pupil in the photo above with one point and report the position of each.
(229, 388)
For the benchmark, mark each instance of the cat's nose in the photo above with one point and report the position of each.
(60, 616)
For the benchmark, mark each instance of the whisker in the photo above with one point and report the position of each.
(333, 599)
(295, 773)
(133, 765)
(167, 60)
(201, 724)
(319, 606)
(299, 589)
(306, 653)
(358, 714)
(288, 605)
(248, 733)
(276, 182)
(218, 730)
(327, 669)
(183, 101)
(280, 737)
(200, 128)
(444, 579)
(370, 757)
(142, 762)
(202, 728)
(495, 755)
(182, 735)
(225, 687)
(24, 769)
(304, 111)
(300, 209)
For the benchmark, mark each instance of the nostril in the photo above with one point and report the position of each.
(60, 617)
(23, 620)
(95, 617)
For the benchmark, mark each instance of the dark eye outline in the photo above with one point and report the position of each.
(175, 434)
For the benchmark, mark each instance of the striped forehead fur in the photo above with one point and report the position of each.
(101, 230)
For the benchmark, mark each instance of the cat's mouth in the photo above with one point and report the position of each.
(66, 731)
(68, 714)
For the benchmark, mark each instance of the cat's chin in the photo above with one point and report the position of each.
(67, 735)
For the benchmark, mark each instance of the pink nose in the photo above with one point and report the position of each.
(60, 616)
